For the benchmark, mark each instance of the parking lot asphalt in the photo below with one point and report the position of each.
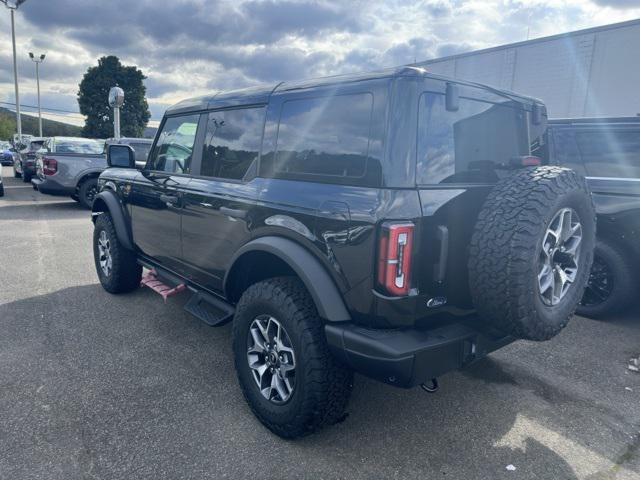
(94, 385)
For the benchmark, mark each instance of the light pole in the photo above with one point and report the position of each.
(13, 5)
(38, 61)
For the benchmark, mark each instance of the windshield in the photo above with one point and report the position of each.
(80, 146)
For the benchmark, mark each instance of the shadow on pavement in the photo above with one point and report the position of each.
(122, 386)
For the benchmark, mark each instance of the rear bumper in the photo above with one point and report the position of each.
(51, 187)
(409, 357)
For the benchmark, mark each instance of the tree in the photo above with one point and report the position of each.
(93, 99)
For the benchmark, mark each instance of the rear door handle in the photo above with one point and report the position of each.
(233, 212)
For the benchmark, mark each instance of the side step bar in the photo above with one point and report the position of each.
(209, 309)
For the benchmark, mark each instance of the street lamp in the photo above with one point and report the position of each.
(38, 61)
(13, 5)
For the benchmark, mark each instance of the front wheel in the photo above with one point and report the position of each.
(117, 268)
(612, 284)
(289, 378)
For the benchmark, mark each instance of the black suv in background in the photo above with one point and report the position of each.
(392, 223)
(607, 152)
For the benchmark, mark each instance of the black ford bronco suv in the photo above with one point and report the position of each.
(393, 224)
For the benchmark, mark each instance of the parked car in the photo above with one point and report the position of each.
(607, 152)
(394, 224)
(1, 183)
(70, 166)
(6, 154)
(141, 147)
(25, 166)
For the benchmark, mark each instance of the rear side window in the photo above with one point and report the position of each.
(322, 139)
(174, 147)
(232, 143)
(466, 145)
(610, 153)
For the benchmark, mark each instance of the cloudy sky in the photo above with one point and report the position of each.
(191, 47)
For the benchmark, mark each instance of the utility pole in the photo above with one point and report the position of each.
(13, 5)
(38, 61)
(116, 100)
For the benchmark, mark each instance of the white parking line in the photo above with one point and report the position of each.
(17, 186)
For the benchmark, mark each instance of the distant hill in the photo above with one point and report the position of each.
(50, 128)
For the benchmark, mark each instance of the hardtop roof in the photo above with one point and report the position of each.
(260, 94)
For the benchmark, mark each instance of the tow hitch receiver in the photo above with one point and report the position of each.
(151, 280)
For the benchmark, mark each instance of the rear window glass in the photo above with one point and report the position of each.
(467, 145)
(322, 139)
(609, 152)
(85, 146)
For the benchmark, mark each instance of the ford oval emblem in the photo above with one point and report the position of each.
(436, 302)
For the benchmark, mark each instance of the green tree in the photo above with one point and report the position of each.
(93, 99)
(7, 127)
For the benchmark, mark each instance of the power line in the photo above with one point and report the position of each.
(43, 108)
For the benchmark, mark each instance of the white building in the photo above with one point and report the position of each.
(587, 73)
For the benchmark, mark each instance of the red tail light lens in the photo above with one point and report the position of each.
(49, 166)
(394, 257)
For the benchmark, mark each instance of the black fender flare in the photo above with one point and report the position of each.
(119, 216)
(313, 274)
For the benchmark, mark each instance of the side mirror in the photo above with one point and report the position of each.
(121, 156)
(452, 97)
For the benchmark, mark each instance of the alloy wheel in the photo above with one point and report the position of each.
(559, 255)
(104, 250)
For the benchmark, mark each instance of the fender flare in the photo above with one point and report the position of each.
(315, 277)
(118, 215)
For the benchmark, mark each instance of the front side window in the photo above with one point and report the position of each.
(468, 144)
(323, 139)
(610, 152)
(174, 148)
(232, 143)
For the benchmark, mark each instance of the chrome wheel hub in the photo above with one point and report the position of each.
(559, 255)
(104, 251)
(271, 359)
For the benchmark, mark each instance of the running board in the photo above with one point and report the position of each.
(152, 281)
(209, 309)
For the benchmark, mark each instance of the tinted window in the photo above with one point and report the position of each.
(467, 145)
(79, 146)
(565, 150)
(232, 142)
(174, 147)
(323, 137)
(610, 153)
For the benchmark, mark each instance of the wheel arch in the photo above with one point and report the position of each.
(86, 176)
(279, 256)
(107, 202)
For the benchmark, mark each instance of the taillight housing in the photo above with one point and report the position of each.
(49, 166)
(394, 257)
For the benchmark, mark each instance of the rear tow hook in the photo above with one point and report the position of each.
(431, 387)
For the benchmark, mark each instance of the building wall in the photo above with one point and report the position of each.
(594, 72)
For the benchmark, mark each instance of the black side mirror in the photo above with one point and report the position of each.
(121, 156)
(452, 99)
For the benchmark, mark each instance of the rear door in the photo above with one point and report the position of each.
(220, 198)
(157, 194)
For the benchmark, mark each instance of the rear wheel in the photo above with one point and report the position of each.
(16, 174)
(612, 284)
(26, 178)
(288, 376)
(87, 192)
(117, 268)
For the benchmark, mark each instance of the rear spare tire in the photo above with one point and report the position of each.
(531, 251)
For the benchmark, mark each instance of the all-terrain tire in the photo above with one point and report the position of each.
(612, 285)
(87, 192)
(322, 385)
(506, 249)
(125, 272)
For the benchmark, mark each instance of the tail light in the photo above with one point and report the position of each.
(49, 166)
(394, 257)
(526, 161)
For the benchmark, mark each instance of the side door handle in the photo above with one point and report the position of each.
(233, 212)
